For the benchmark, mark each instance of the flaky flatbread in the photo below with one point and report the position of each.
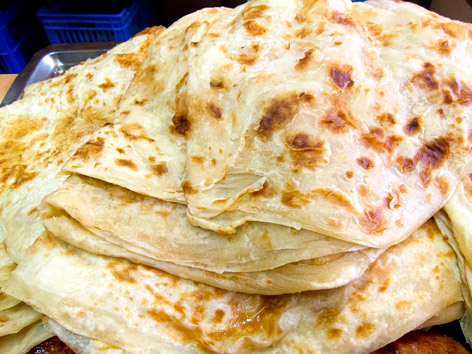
(159, 230)
(109, 220)
(339, 118)
(143, 310)
(41, 131)
(80, 344)
(26, 339)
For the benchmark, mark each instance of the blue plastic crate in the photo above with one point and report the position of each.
(12, 29)
(20, 36)
(73, 28)
(14, 60)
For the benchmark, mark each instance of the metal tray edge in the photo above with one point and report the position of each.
(24, 77)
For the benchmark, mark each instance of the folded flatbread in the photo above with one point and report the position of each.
(259, 258)
(339, 118)
(144, 310)
(80, 344)
(41, 131)
(26, 339)
(455, 222)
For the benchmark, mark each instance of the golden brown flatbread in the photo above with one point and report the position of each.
(144, 310)
(344, 119)
(41, 131)
(110, 220)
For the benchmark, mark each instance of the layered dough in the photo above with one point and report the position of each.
(251, 180)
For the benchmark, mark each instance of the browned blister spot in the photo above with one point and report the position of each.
(186, 334)
(459, 92)
(364, 330)
(181, 122)
(426, 79)
(134, 131)
(403, 305)
(126, 163)
(343, 19)
(306, 152)
(467, 183)
(20, 174)
(365, 163)
(90, 149)
(393, 199)
(387, 118)
(261, 319)
(328, 316)
(377, 140)
(321, 27)
(294, 199)
(373, 219)
(267, 191)
(69, 76)
(454, 29)
(448, 254)
(160, 168)
(188, 188)
(152, 32)
(198, 159)
(106, 85)
(218, 316)
(443, 47)
(306, 97)
(432, 156)
(122, 271)
(443, 184)
(335, 197)
(249, 56)
(341, 75)
(303, 32)
(139, 102)
(334, 333)
(214, 110)
(33, 211)
(129, 61)
(21, 127)
(303, 62)
(338, 120)
(217, 84)
(384, 286)
(413, 126)
(441, 113)
(279, 112)
(254, 29)
(181, 125)
(405, 164)
(349, 174)
(254, 12)
(247, 59)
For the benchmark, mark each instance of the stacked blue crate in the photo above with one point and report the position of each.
(63, 27)
(17, 37)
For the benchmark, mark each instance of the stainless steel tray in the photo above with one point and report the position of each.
(52, 61)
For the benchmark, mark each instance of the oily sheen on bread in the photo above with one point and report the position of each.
(144, 310)
(343, 119)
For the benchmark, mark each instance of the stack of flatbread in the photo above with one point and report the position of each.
(253, 180)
